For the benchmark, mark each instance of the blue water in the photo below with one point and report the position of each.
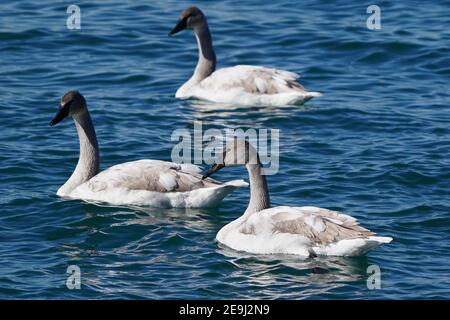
(375, 146)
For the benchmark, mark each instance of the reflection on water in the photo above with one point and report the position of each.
(152, 252)
(194, 219)
(274, 270)
(234, 116)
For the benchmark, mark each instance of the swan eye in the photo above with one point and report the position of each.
(192, 20)
(67, 104)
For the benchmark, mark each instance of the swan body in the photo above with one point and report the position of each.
(248, 85)
(242, 84)
(143, 182)
(156, 183)
(303, 231)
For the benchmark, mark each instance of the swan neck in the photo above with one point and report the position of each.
(89, 159)
(206, 56)
(259, 199)
(259, 192)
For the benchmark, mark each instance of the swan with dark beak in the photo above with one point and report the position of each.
(144, 182)
(303, 231)
(242, 84)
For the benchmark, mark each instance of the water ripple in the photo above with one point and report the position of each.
(374, 146)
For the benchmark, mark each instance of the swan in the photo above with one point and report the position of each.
(142, 182)
(241, 84)
(303, 231)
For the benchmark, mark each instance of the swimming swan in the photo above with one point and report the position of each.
(304, 231)
(143, 182)
(242, 84)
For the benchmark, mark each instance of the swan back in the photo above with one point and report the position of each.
(301, 231)
(242, 84)
(249, 85)
(154, 183)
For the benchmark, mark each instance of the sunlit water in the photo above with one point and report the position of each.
(375, 146)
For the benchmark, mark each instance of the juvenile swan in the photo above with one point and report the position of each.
(242, 84)
(143, 182)
(303, 231)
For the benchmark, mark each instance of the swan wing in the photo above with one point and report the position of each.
(302, 231)
(151, 175)
(253, 79)
(320, 226)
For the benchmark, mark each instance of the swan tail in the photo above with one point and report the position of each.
(236, 183)
(314, 94)
(366, 245)
(302, 97)
(214, 196)
(352, 247)
(381, 240)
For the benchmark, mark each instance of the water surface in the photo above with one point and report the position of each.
(375, 146)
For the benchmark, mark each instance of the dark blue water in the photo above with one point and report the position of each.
(375, 146)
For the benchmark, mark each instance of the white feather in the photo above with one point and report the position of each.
(260, 233)
(248, 85)
(168, 181)
(125, 184)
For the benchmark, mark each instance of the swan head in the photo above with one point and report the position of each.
(237, 151)
(72, 104)
(190, 18)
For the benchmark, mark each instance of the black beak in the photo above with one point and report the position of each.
(215, 167)
(181, 25)
(62, 113)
